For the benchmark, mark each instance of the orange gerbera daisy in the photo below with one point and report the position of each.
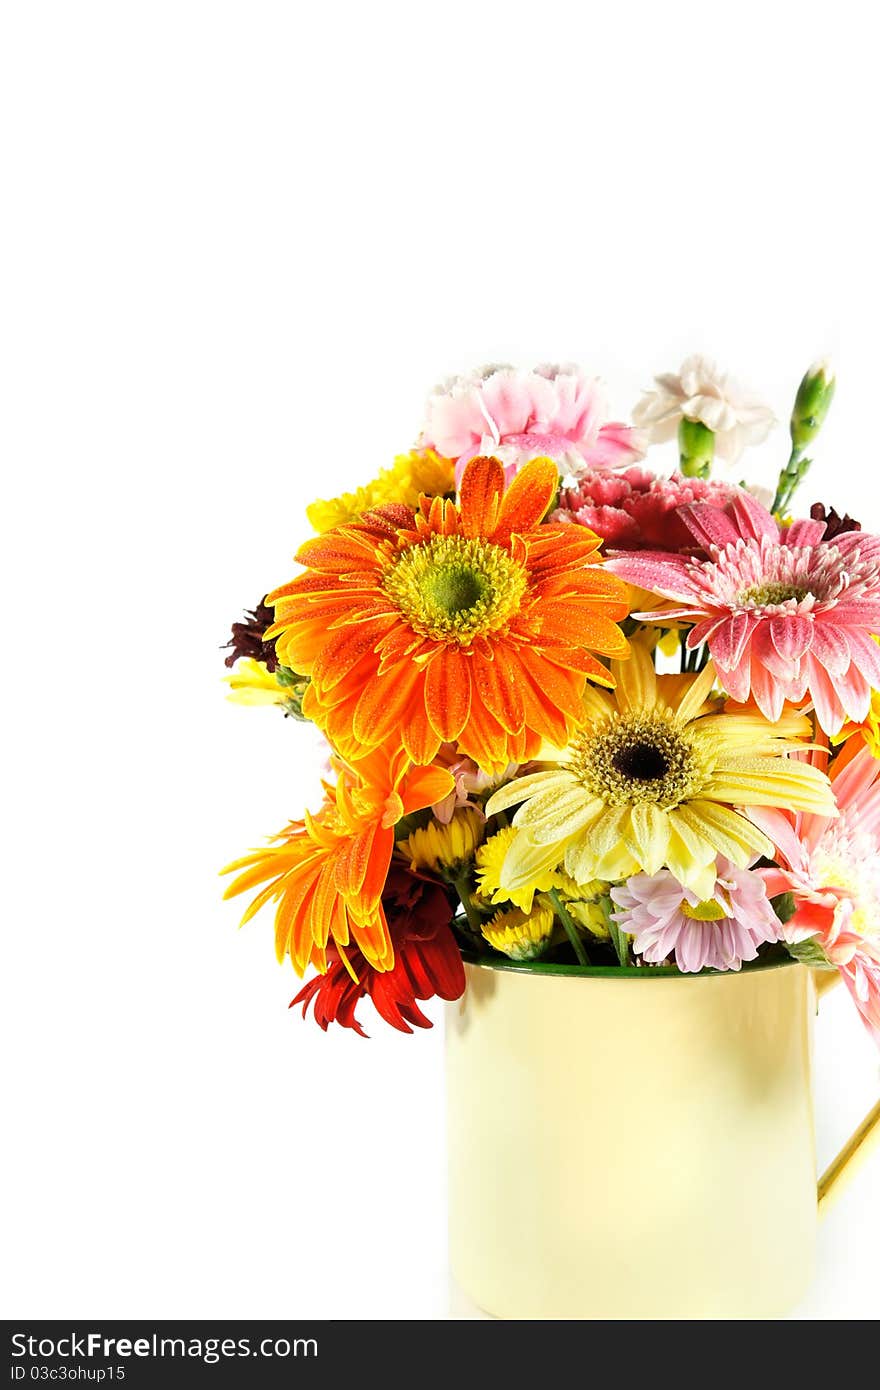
(327, 872)
(470, 623)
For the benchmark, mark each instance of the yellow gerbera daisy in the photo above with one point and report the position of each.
(651, 780)
(421, 471)
(521, 935)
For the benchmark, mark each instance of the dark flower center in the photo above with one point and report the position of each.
(643, 762)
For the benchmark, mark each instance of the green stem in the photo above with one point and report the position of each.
(571, 930)
(471, 911)
(619, 938)
(790, 480)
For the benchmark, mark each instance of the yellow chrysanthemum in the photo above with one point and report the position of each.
(489, 863)
(651, 780)
(581, 899)
(252, 683)
(445, 848)
(421, 471)
(582, 902)
(521, 935)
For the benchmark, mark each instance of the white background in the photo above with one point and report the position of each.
(241, 241)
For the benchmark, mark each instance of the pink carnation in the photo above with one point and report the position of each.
(785, 615)
(717, 933)
(832, 867)
(636, 510)
(517, 415)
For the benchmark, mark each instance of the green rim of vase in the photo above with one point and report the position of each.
(622, 972)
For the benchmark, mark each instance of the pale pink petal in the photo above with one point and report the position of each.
(454, 424)
(866, 655)
(729, 641)
(854, 694)
(829, 711)
(737, 679)
(615, 446)
(830, 647)
(655, 571)
(768, 693)
(791, 635)
(854, 780)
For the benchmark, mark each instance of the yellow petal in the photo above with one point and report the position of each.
(555, 816)
(636, 680)
(525, 861)
(697, 695)
(647, 835)
(771, 782)
(521, 788)
(730, 834)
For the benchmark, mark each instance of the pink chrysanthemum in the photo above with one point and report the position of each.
(786, 615)
(832, 867)
(717, 933)
(636, 510)
(557, 412)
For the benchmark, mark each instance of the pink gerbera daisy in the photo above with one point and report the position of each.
(786, 615)
(717, 933)
(554, 412)
(832, 867)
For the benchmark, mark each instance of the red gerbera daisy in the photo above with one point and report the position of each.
(427, 961)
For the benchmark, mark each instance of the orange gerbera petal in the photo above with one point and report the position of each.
(415, 628)
(420, 738)
(448, 692)
(480, 496)
(328, 872)
(382, 704)
(526, 500)
(343, 648)
(499, 684)
(424, 786)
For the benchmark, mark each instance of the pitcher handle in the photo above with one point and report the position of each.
(841, 1169)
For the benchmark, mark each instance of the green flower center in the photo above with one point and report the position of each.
(453, 588)
(764, 595)
(638, 757)
(703, 912)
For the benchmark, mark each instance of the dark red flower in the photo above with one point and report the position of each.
(427, 961)
(835, 524)
(248, 637)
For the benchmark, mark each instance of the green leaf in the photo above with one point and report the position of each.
(784, 906)
(810, 953)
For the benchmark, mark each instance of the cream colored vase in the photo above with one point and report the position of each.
(634, 1144)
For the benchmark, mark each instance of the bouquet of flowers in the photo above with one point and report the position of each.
(578, 711)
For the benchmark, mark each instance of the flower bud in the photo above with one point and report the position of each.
(813, 400)
(696, 447)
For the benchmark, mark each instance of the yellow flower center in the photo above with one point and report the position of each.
(452, 588)
(762, 595)
(638, 757)
(703, 912)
